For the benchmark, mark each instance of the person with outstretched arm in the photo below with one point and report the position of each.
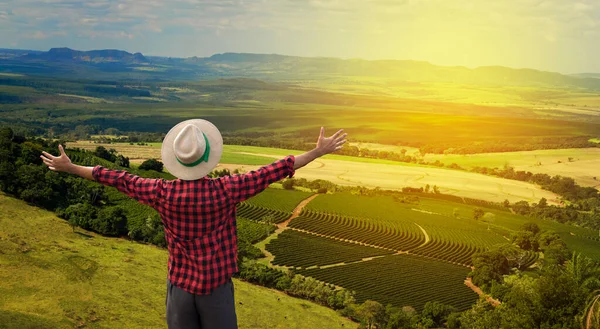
(199, 215)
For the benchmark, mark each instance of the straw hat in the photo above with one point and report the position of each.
(192, 149)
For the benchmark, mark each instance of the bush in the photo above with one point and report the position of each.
(111, 221)
(288, 184)
(81, 214)
(152, 164)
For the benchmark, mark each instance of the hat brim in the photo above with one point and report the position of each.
(192, 173)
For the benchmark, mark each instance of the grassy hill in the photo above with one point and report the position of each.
(52, 277)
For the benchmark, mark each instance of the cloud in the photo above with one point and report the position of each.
(277, 24)
(44, 35)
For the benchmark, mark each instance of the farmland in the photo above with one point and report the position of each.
(292, 248)
(352, 171)
(415, 280)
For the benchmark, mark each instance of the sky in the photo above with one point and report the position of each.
(552, 35)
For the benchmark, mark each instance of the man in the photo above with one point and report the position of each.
(198, 214)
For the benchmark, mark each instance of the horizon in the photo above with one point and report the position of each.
(552, 35)
(314, 57)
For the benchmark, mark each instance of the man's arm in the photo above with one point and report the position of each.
(243, 187)
(141, 189)
(324, 147)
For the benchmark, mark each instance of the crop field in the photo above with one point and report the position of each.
(251, 231)
(259, 214)
(580, 164)
(578, 239)
(52, 277)
(349, 171)
(280, 200)
(401, 280)
(298, 249)
(384, 222)
(345, 170)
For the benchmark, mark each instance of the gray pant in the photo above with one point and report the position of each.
(190, 311)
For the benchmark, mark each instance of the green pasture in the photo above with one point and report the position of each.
(52, 277)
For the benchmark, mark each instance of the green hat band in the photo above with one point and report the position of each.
(203, 158)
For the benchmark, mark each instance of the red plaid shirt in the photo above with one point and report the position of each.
(199, 218)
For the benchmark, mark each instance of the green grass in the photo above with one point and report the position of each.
(51, 277)
(595, 140)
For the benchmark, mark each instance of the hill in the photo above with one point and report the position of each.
(277, 67)
(108, 55)
(52, 277)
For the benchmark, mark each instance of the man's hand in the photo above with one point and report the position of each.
(326, 145)
(59, 163)
(64, 164)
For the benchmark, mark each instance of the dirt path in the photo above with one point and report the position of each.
(262, 245)
(427, 239)
(344, 240)
(492, 301)
(282, 226)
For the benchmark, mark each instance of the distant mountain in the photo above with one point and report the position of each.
(587, 75)
(93, 56)
(118, 64)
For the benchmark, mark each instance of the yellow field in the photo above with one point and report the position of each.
(395, 177)
(94, 100)
(579, 164)
(351, 172)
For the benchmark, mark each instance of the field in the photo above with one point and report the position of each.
(384, 222)
(394, 252)
(139, 153)
(293, 248)
(353, 171)
(414, 282)
(51, 277)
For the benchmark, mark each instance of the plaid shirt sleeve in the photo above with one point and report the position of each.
(245, 186)
(141, 189)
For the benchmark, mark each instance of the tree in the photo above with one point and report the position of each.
(543, 203)
(288, 184)
(525, 240)
(152, 164)
(81, 214)
(489, 266)
(478, 213)
(531, 227)
(436, 312)
(370, 313)
(584, 271)
(103, 153)
(110, 221)
(122, 161)
(489, 218)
